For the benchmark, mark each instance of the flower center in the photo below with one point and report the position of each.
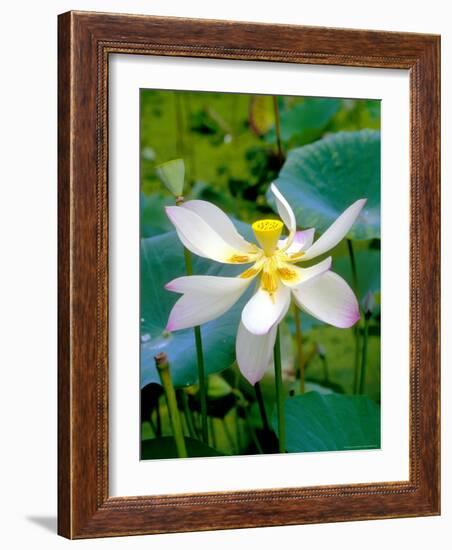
(267, 233)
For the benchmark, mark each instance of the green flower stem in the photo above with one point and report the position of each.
(187, 413)
(362, 383)
(261, 405)
(299, 342)
(188, 262)
(279, 394)
(238, 432)
(158, 428)
(161, 362)
(228, 436)
(191, 150)
(357, 336)
(351, 253)
(179, 125)
(277, 129)
(251, 430)
(202, 384)
(356, 328)
(212, 432)
(152, 425)
(326, 375)
(200, 363)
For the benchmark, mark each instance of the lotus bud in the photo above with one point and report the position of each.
(368, 304)
(320, 350)
(172, 175)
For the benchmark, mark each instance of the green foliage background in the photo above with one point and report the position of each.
(229, 146)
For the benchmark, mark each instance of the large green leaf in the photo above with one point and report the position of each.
(322, 179)
(162, 260)
(332, 422)
(165, 447)
(153, 219)
(367, 267)
(306, 120)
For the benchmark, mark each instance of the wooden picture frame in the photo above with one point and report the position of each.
(86, 40)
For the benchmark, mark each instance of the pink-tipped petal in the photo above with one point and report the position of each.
(186, 242)
(336, 232)
(170, 286)
(285, 213)
(329, 298)
(204, 298)
(207, 284)
(254, 353)
(302, 240)
(203, 240)
(219, 222)
(170, 326)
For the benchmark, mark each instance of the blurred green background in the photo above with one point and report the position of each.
(328, 155)
(228, 141)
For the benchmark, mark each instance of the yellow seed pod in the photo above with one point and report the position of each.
(267, 234)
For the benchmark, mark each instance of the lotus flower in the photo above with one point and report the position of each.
(208, 232)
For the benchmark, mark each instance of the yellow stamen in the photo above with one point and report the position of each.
(239, 259)
(287, 274)
(249, 273)
(269, 281)
(296, 256)
(267, 234)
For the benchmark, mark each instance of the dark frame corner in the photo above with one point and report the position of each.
(84, 44)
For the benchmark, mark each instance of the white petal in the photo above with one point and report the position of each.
(285, 213)
(329, 298)
(264, 310)
(294, 277)
(201, 239)
(189, 245)
(219, 222)
(205, 298)
(302, 240)
(254, 353)
(336, 232)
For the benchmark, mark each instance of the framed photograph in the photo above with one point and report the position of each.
(248, 275)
